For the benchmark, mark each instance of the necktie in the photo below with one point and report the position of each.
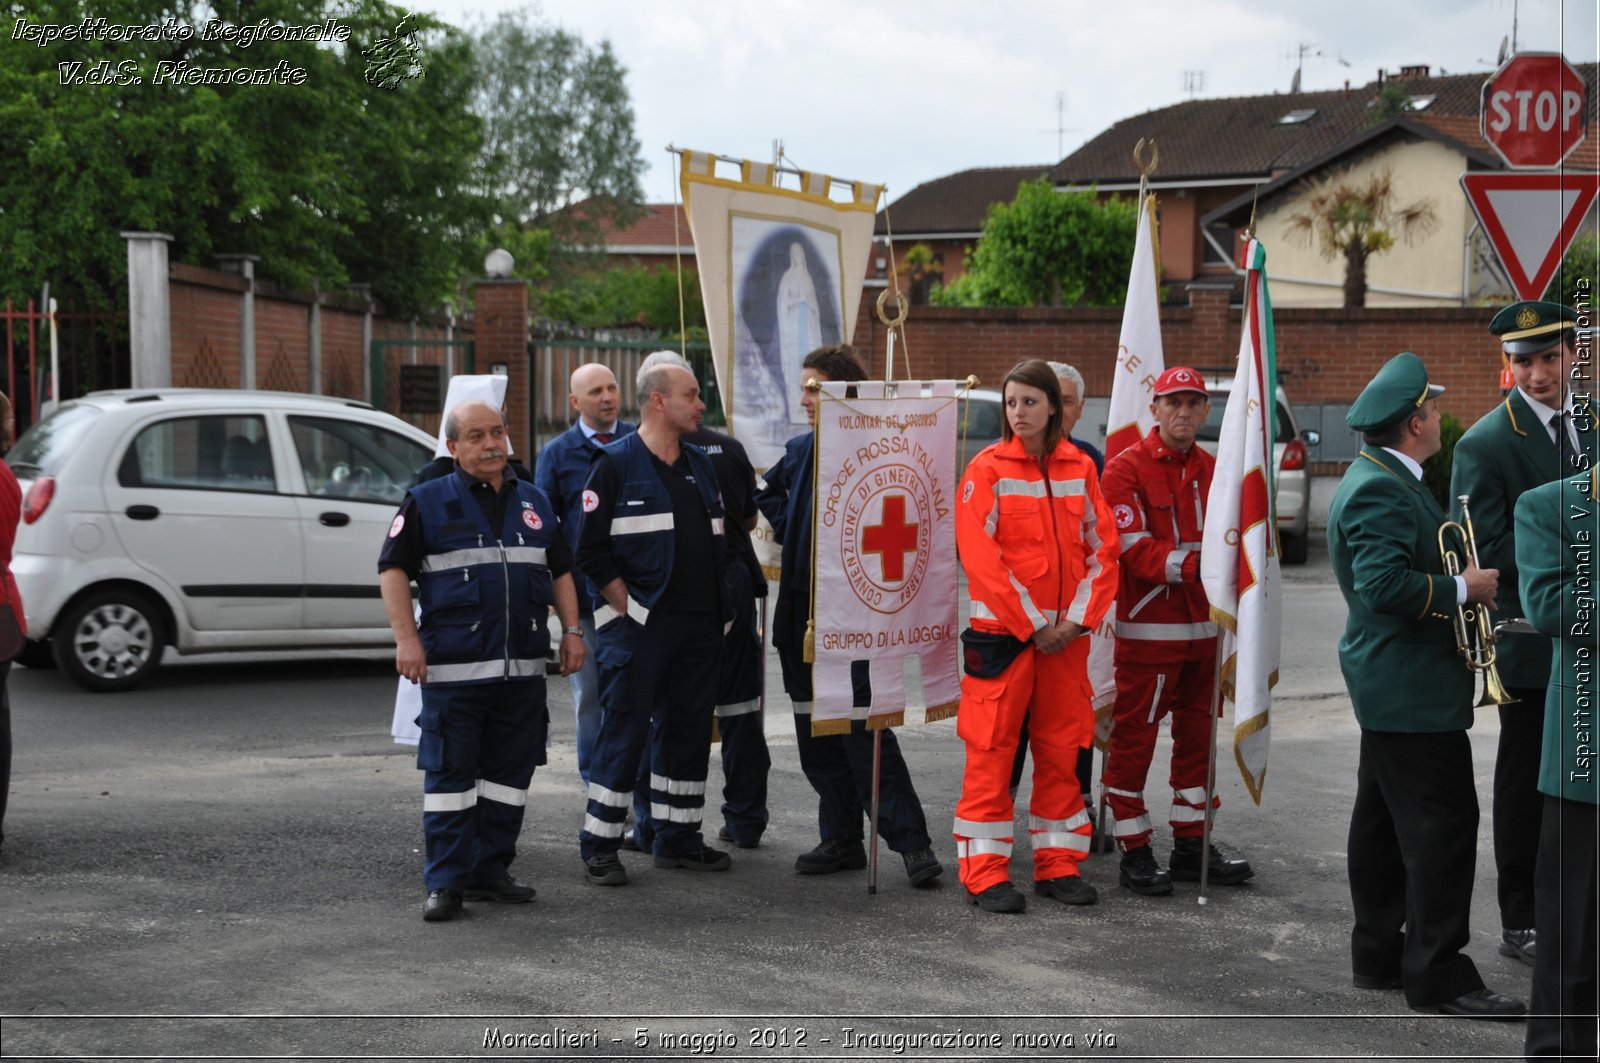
(1569, 456)
(602, 438)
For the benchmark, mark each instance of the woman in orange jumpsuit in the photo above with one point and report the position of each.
(1040, 553)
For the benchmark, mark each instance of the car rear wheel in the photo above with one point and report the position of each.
(36, 653)
(110, 641)
(1295, 549)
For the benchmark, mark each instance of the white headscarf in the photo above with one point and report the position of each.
(489, 388)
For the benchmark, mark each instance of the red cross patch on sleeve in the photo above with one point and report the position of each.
(1124, 514)
(591, 501)
(399, 522)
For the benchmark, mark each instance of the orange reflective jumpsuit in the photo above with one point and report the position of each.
(1036, 549)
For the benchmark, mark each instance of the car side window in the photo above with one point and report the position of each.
(350, 459)
(216, 453)
(981, 419)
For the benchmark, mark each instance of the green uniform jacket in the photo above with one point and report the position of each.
(1507, 452)
(1558, 527)
(1398, 653)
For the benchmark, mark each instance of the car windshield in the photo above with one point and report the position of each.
(47, 445)
(1219, 405)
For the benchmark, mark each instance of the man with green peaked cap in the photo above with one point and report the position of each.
(1529, 439)
(1558, 525)
(1414, 827)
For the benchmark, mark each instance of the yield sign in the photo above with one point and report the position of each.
(1531, 219)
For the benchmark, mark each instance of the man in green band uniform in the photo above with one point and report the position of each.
(1527, 440)
(1413, 830)
(1558, 526)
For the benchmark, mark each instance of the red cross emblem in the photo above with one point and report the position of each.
(891, 540)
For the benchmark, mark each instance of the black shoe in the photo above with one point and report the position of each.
(725, 836)
(922, 867)
(834, 854)
(701, 859)
(441, 905)
(1481, 1004)
(1068, 889)
(1224, 870)
(1375, 981)
(1518, 944)
(503, 890)
(606, 870)
(1141, 874)
(1002, 899)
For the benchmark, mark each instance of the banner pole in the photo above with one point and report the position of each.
(877, 765)
(1102, 841)
(1211, 774)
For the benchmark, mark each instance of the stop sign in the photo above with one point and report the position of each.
(1533, 110)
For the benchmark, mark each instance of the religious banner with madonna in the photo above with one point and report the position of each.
(780, 275)
(886, 626)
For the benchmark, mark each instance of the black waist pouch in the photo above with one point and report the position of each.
(986, 654)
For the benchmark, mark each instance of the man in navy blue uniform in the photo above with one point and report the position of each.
(484, 550)
(652, 542)
(745, 758)
(561, 471)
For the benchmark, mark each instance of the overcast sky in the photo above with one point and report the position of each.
(901, 93)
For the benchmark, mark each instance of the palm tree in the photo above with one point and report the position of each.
(1349, 218)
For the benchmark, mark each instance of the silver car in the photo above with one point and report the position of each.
(207, 521)
(1290, 456)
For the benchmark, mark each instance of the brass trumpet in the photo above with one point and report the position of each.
(1475, 634)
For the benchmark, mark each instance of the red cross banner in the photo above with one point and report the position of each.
(886, 626)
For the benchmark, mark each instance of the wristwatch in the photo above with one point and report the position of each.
(578, 631)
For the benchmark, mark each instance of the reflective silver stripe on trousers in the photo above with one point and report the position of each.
(1051, 839)
(1166, 632)
(982, 847)
(652, 522)
(674, 814)
(1127, 539)
(1127, 828)
(605, 614)
(1194, 795)
(519, 668)
(738, 708)
(1185, 814)
(1132, 795)
(456, 802)
(506, 795)
(601, 828)
(609, 798)
(972, 828)
(1071, 823)
(677, 787)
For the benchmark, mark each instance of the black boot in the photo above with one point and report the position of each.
(1141, 873)
(1224, 870)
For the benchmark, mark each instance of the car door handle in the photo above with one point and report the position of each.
(335, 520)
(143, 512)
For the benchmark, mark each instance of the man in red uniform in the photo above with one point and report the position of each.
(1166, 654)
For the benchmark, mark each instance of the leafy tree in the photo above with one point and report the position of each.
(1392, 102)
(1346, 217)
(1048, 248)
(326, 177)
(1575, 279)
(631, 295)
(560, 151)
(924, 270)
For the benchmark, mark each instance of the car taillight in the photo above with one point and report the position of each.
(1294, 455)
(39, 496)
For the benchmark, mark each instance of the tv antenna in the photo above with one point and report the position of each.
(1194, 82)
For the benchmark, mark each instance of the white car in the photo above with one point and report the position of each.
(1292, 484)
(204, 520)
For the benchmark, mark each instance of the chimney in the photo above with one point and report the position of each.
(1347, 88)
(1413, 72)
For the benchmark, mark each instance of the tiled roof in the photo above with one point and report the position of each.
(1244, 136)
(956, 203)
(655, 229)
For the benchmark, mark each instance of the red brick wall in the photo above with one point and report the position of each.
(501, 324)
(205, 327)
(1326, 355)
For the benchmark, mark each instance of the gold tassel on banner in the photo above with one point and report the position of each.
(823, 728)
(808, 648)
(886, 719)
(936, 713)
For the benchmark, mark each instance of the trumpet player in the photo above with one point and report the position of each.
(1413, 830)
(1528, 440)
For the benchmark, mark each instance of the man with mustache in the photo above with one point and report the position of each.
(487, 556)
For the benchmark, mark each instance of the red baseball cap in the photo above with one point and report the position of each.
(1180, 378)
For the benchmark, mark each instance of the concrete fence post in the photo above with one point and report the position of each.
(149, 310)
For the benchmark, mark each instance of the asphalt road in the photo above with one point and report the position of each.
(227, 863)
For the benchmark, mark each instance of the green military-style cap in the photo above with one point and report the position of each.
(1400, 387)
(1530, 327)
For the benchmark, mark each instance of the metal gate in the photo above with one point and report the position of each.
(387, 356)
(555, 357)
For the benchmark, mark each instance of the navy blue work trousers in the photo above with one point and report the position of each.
(479, 745)
(658, 688)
